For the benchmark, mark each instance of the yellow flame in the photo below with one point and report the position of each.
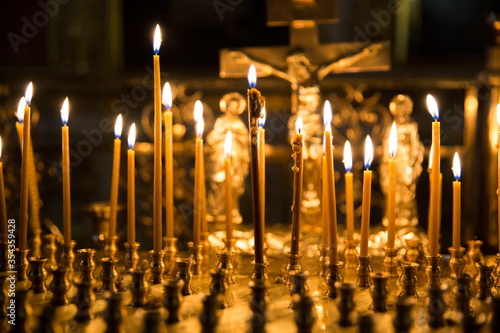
(131, 136)
(262, 120)
(29, 93)
(432, 106)
(157, 39)
(65, 111)
(118, 126)
(20, 109)
(252, 76)
(299, 125)
(498, 114)
(393, 140)
(347, 156)
(457, 171)
(327, 116)
(368, 151)
(166, 97)
(0, 146)
(228, 144)
(198, 118)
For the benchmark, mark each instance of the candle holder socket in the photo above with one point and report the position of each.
(259, 272)
(433, 270)
(156, 266)
(322, 260)
(87, 264)
(351, 254)
(292, 265)
(59, 287)
(109, 275)
(49, 249)
(139, 286)
(463, 295)
(84, 299)
(363, 271)
(484, 280)
(298, 285)
(497, 274)
(457, 262)
(403, 320)
(391, 262)
(4, 246)
(409, 280)
(21, 262)
(218, 286)
(258, 305)
(197, 256)
(110, 248)
(379, 291)
(436, 305)
(67, 258)
(172, 300)
(184, 274)
(131, 257)
(171, 251)
(334, 275)
(415, 252)
(304, 313)
(474, 253)
(37, 274)
(346, 303)
(226, 262)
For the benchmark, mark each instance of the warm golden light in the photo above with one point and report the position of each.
(299, 125)
(457, 172)
(166, 97)
(118, 126)
(347, 156)
(368, 152)
(498, 114)
(327, 116)
(157, 40)
(262, 120)
(20, 109)
(65, 111)
(252, 77)
(29, 93)
(393, 140)
(198, 118)
(431, 153)
(0, 146)
(131, 136)
(228, 144)
(432, 107)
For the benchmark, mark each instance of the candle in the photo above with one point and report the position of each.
(198, 172)
(157, 183)
(255, 105)
(169, 161)
(65, 172)
(434, 202)
(349, 191)
(324, 203)
(498, 175)
(367, 193)
(457, 211)
(228, 143)
(298, 171)
(131, 185)
(391, 189)
(23, 214)
(115, 177)
(3, 207)
(262, 161)
(331, 198)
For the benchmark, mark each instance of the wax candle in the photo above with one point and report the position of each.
(3, 207)
(298, 171)
(169, 160)
(262, 161)
(498, 175)
(325, 241)
(349, 191)
(255, 105)
(391, 188)
(367, 193)
(115, 177)
(23, 214)
(332, 200)
(228, 168)
(434, 201)
(457, 210)
(131, 185)
(65, 173)
(157, 183)
(198, 176)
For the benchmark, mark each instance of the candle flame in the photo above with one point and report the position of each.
(498, 114)
(457, 172)
(431, 154)
(347, 156)
(65, 111)
(228, 144)
(118, 126)
(432, 107)
(131, 136)
(262, 120)
(252, 77)
(299, 125)
(368, 152)
(20, 109)
(157, 40)
(0, 146)
(393, 140)
(166, 97)
(198, 118)
(327, 116)
(29, 93)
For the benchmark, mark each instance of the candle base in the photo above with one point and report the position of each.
(59, 287)
(67, 258)
(83, 300)
(218, 286)
(457, 262)
(484, 281)
(131, 257)
(139, 287)
(21, 262)
(351, 254)
(298, 286)
(49, 249)
(109, 275)
(346, 304)
(497, 274)
(409, 280)
(379, 291)
(184, 274)
(334, 275)
(391, 262)
(156, 266)
(226, 262)
(463, 295)
(258, 306)
(172, 300)
(171, 250)
(197, 256)
(37, 274)
(323, 260)
(363, 271)
(87, 264)
(110, 248)
(434, 270)
(3, 256)
(436, 306)
(36, 242)
(292, 265)
(259, 272)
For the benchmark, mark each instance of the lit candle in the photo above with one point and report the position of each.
(115, 177)
(157, 184)
(23, 214)
(367, 193)
(391, 190)
(498, 175)
(349, 191)
(262, 161)
(324, 203)
(169, 161)
(65, 173)
(3, 207)
(198, 170)
(228, 143)
(434, 202)
(298, 171)
(20, 122)
(331, 199)
(255, 105)
(131, 185)
(457, 211)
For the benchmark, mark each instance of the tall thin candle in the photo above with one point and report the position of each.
(169, 160)
(115, 177)
(157, 184)
(434, 201)
(349, 191)
(131, 185)
(66, 173)
(457, 210)
(391, 189)
(367, 193)
(298, 171)
(228, 168)
(23, 214)
(498, 175)
(198, 177)
(3, 207)
(262, 161)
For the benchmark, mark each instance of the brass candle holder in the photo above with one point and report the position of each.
(67, 258)
(59, 287)
(156, 266)
(49, 249)
(131, 257)
(323, 260)
(391, 262)
(87, 264)
(436, 305)
(379, 291)
(110, 248)
(83, 300)
(457, 262)
(292, 264)
(184, 274)
(139, 287)
(484, 280)
(37, 274)
(21, 262)
(172, 300)
(197, 256)
(351, 254)
(171, 250)
(226, 262)
(363, 271)
(433, 270)
(259, 273)
(298, 285)
(497, 274)
(334, 275)
(409, 280)
(109, 275)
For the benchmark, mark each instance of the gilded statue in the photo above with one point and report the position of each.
(232, 106)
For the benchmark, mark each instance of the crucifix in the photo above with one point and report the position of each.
(305, 63)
